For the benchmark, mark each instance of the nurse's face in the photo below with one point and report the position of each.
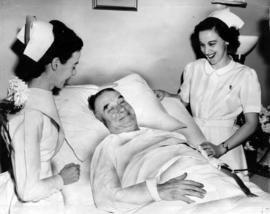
(65, 71)
(214, 48)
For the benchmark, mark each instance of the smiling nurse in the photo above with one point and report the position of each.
(218, 89)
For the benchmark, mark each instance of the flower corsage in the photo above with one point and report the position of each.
(17, 92)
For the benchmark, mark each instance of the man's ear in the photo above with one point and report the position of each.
(55, 63)
(100, 118)
(104, 122)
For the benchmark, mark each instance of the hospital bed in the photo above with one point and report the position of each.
(84, 132)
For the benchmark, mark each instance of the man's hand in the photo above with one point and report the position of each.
(179, 189)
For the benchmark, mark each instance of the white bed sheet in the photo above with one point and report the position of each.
(78, 196)
(163, 157)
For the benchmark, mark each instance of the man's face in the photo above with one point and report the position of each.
(113, 110)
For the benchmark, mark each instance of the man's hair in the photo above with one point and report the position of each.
(92, 99)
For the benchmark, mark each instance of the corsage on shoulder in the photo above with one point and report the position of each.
(17, 92)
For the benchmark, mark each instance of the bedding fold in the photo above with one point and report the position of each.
(146, 154)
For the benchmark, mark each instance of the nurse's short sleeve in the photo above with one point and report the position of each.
(250, 93)
(185, 86)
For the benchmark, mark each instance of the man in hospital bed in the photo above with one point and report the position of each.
(134, 167)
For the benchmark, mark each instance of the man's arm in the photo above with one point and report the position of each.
(109, 194)
(174, 189)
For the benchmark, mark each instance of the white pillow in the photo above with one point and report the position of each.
(176, 109)
(82, 130)
(148, 109)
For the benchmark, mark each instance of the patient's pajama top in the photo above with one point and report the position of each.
(217, 97)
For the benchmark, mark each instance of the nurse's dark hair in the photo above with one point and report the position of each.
(65, 43)
(228, 34)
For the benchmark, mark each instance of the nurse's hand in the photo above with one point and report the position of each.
(70, 173)
(213, 150)
(160, 94)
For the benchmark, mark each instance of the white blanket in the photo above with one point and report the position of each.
(137, 156)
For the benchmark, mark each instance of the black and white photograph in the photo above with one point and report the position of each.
(135, 107)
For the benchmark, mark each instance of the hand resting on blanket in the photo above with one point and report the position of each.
(179, 189)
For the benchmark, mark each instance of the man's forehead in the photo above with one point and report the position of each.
(106, 98)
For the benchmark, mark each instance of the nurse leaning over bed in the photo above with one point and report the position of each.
(218, 89)
(30, 124)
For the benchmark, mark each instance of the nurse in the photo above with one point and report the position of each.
(29, 122)
(218, 89)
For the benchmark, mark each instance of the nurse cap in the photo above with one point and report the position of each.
(229, 18)
(38, 37)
